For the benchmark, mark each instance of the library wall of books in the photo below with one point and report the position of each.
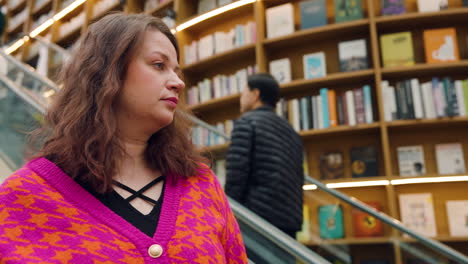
(377, 89)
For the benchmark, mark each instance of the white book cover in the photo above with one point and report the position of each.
(428, 100)
(411, 161)
(205, 5)
(460, 97)
(206, 47)
(350, 108)
(393, 106)
(457, 214)
(432, 5)
(281, 70)
(314, 65)
(417, 99)
(353, 55)
(417, 213)
(320, 123)
(387, 103)
(450, 158)
(280, 20)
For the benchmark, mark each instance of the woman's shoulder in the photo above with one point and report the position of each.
(22, 181)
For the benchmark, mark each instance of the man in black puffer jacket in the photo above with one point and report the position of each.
(264, 161)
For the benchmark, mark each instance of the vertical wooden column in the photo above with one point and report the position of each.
(260, 53)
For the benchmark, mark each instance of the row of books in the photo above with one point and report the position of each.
(152, 4)
(410, 99)
(12, 4)
(219, 86)
(416, 211)
(352, 57)
(440, 45)
(328, 109)
(38, 4)
(72, 25)
(207, 5)
(313, 13)
(103, 6)
(203, 137)
(219, 42)
(449, 158)
(411, 162)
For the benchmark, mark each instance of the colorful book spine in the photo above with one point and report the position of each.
(368, 104)
(333, 116)
(324, 100)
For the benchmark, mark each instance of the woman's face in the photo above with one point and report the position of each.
(152, 84)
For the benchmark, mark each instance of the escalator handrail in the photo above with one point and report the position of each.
(29, 70)
(290, 245)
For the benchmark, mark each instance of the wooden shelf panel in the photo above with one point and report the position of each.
(328, 81)
(340, 130)
(412, 20)
(350, 241)
(215, 103)
(157, 10)
(221, 18)
(443, 238)
(318, 33)
(436, 69)
(363, 179)
(44, 8)
(220, 59)
(428, 123)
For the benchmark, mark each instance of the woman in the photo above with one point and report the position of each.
(118, 180)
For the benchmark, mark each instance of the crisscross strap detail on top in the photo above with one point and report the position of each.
(140, 192)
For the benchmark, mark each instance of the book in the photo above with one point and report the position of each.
(375, 261)
(353, 55)
(417, 213)
(393, 7)
(348, 10)
(364, 162)
(331, 221)
(366, 225)
(313, 13)
(281, 70)
(280, 20)
(325, 108)
(397, 49)
(457, 214)
(432, 5)
(314, 65)
(205, 5)
(440, 45)
(411, 161)
(450, 158)
(331, 165)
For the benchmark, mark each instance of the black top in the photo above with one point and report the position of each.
(121, 206)
(264, 168)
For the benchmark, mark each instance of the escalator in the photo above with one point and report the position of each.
(24, 96)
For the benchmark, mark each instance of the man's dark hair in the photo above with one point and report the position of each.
(266, 85)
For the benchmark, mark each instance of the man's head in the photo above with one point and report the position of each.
(262, 89)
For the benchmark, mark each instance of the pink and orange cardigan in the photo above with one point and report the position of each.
(46, 217)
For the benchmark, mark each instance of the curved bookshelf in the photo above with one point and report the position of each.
(160, 8)
(329, 80)
(351, 180)
(340, 130)
(214, 103)
(416, 19)
(327, 31)
(435, 69)
(216, 150)
(219, 59)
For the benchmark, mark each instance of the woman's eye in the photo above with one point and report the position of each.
(159, 65)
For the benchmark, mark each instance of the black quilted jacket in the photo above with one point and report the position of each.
(264, 168)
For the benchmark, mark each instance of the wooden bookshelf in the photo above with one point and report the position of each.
(18, 7)
(219, 59)
(386, 136)
(339, 130)
(214, 103)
